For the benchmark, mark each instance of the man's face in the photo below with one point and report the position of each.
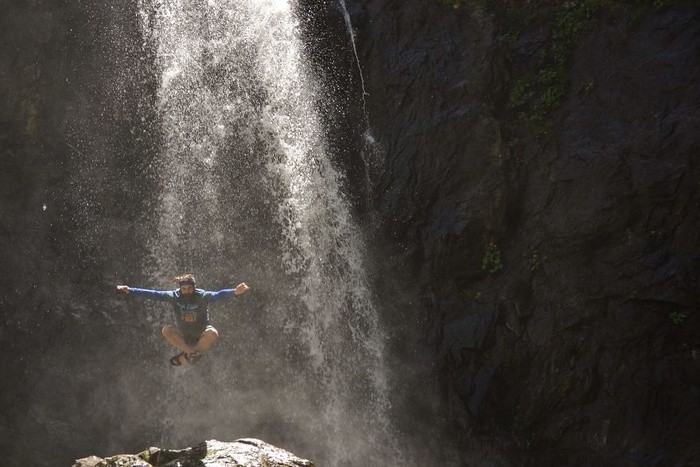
(187, 290)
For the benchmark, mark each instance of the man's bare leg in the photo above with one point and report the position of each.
(173, 335)
(206, 339)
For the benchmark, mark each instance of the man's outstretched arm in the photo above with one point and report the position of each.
(239, 290)
(160, 295)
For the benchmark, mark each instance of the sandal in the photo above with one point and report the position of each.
(193, 357)
(176, 360)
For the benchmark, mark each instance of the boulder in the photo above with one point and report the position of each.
(248, 452)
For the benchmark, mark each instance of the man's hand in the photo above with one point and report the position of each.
(241, 289)
(123, 289)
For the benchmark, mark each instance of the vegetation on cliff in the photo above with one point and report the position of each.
(540, 37)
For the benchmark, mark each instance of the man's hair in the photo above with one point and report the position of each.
(184, 279)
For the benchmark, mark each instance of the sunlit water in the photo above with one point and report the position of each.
(247, 189)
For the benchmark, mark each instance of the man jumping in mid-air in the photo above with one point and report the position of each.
(193, 334)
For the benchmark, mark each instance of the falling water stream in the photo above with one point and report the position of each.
(247, 192)
(351, 34)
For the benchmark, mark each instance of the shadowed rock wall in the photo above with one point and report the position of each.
(74, 152)
(559, 269)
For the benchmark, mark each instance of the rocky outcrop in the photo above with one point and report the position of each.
(247, 452)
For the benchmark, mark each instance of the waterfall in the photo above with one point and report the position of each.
(247, 192)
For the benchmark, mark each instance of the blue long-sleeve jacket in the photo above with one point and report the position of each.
(191, 312)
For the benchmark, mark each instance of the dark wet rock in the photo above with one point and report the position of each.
(247, 452)
(569, 352)
(469, 331)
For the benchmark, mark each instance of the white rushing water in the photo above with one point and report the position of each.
(244, 174)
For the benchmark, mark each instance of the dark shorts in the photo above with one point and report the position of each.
(191, 334)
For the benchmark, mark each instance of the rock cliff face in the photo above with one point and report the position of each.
(72, 81)
(557, 253)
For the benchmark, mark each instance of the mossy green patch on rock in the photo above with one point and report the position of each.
(492, 259)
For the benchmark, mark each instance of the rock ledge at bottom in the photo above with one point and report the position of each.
(246, 452)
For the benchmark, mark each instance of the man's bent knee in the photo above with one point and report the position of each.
(170, 330)
(211, 332)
